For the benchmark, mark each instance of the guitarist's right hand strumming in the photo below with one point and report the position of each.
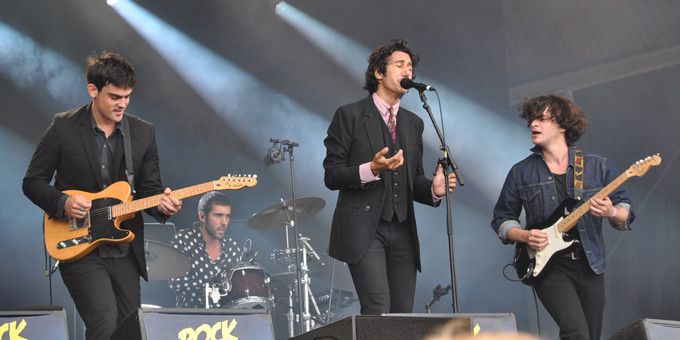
(77, 206)
(534, 238)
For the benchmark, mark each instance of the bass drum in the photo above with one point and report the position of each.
(247, 285)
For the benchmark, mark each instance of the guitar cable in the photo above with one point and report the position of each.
(533, 291)
(48, 269)
(538, 318)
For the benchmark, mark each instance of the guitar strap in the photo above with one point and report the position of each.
(578, 173)
(129, 171)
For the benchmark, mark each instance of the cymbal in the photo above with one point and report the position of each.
(163, 261)
(278, 215)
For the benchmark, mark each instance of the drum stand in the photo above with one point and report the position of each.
(306, 282)
(303, 286)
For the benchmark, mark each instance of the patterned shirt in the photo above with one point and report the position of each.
(190, 289)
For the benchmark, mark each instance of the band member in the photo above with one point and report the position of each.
(83, 150)
(571, 288)
(374, 153)
(209, 249)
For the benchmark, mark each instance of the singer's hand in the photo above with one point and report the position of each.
(380, 163)
(438, 183)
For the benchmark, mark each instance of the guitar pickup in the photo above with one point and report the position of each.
(74, 242)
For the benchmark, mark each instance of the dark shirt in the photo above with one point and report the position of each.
(190, 288)
(106, 148)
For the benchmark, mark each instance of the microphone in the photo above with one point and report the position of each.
(408, 83)
(274, 154)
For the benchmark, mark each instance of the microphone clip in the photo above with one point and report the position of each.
(279, 146)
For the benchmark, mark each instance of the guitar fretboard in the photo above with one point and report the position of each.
(152, 201)
(570, 220)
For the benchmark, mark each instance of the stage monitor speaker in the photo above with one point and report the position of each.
(649, 329)
(407, 326)
(188, 323)
(47, 322)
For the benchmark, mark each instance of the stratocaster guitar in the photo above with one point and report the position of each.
(70, 240)
(530, 263)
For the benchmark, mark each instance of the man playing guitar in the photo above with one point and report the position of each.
(83, 149)
(572, 287)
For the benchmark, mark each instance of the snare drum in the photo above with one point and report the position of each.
(248, 287)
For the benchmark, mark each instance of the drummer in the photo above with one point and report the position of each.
(208, 248)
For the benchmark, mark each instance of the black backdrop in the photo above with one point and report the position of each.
(286, 85)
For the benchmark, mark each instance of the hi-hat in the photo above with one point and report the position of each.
(163, 261)
(282, 213)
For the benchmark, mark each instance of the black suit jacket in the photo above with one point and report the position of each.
(354, 137)
(69, 147)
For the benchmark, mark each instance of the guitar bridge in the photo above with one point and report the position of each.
(79, 223)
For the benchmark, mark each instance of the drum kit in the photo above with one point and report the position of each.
(245, 284)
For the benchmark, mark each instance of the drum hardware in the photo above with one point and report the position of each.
(287, 256)
(286, 214)
(241, 285)
(282, 213)
(295, 258)
(164, 262)
(341, 298)
(247, 252)
(211, 294)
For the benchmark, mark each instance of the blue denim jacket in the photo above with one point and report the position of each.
(530, 186)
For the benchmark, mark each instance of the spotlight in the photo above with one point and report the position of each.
(111, 2)
(280, 6)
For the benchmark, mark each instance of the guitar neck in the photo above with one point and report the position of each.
(152, 201)
(570, 220)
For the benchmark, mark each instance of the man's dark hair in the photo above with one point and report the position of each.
(110, 68)
(377, 61)
(211, 199)
(567, 115)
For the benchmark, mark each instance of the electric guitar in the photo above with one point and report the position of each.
(530, 263)
(70, 240)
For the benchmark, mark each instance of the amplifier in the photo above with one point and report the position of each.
(649, 329)
(39, 323)
(188, 323)
(407, 326)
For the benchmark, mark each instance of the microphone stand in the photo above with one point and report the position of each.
(446, 161)
(300, 269)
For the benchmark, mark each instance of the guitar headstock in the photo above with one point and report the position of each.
(234, 182)
(641, 167)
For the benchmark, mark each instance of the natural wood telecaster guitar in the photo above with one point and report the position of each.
(69, 240)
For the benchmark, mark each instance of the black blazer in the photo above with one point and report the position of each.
(69, 147)
(354, 137)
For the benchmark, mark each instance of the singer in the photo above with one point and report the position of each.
(374, 159)
(209, 250)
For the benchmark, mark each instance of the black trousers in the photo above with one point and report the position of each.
(104, 290)
(574, 296)
(385, 278)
